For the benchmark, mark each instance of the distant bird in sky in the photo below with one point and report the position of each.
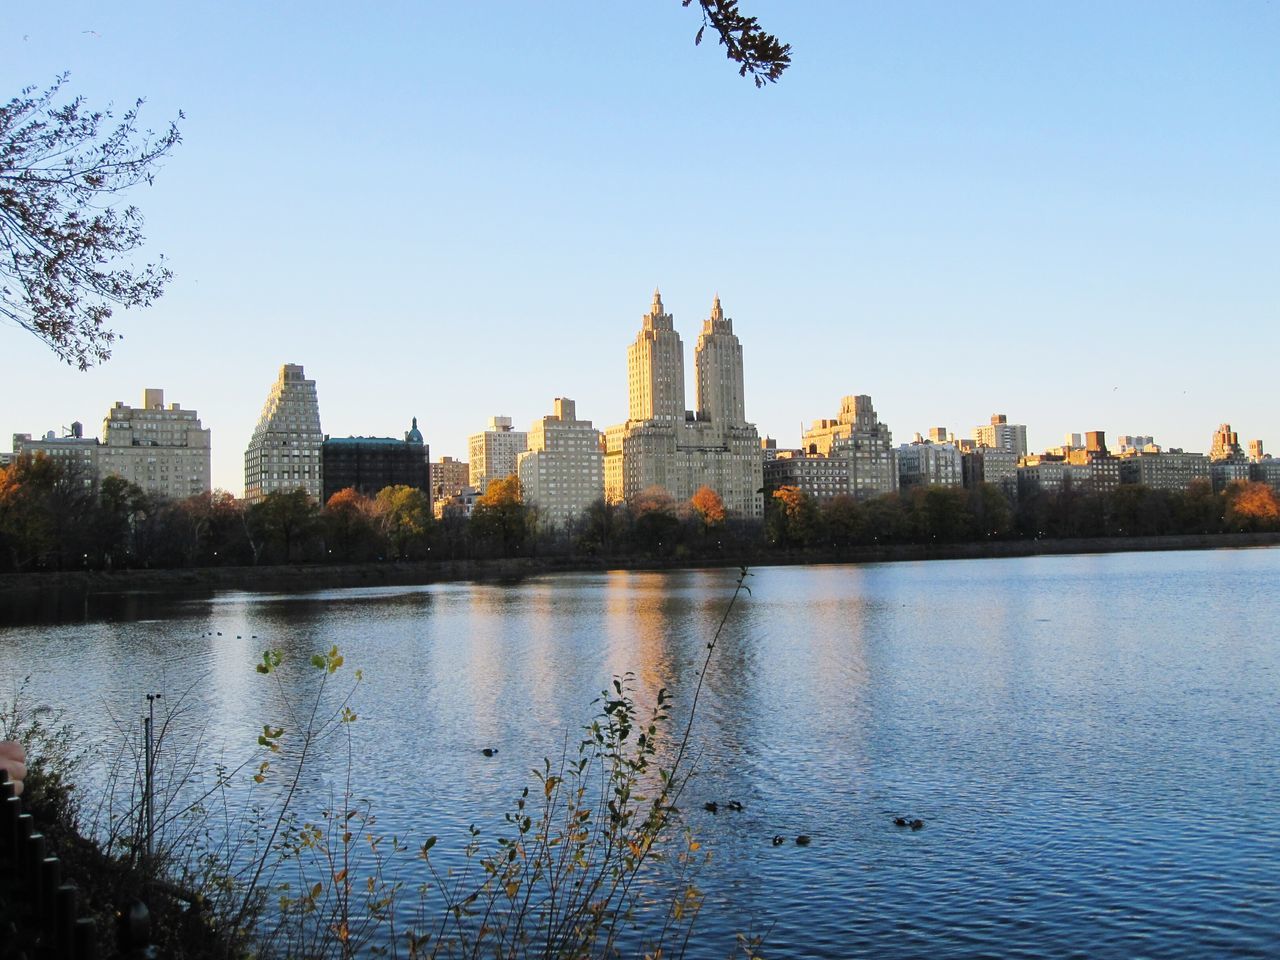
(93, 32)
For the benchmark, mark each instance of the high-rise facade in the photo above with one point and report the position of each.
(162, 449)
(928, 463)
(284, 453)
(562, 471)
(857, 436)
(493, 452)
(664, 445)
(1003, 435)
(718, 363)
(655, 369)
(449, 477)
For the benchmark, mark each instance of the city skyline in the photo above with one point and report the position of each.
(1064, 215)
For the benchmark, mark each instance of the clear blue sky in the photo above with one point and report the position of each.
(1066, 212)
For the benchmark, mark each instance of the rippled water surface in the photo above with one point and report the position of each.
(1092, 741)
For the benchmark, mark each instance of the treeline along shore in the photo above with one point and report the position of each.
(69, 537)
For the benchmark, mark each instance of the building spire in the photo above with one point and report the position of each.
(657, 302)
(716, 313)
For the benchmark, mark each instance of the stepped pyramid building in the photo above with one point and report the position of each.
(284, 453)
(663, 444)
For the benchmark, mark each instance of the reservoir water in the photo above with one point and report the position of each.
(1092, 742)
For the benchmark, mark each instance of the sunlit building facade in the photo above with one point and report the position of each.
(1002, 435)
(284, 452)
(664, 445)
(929, 463)
(493, 452)
(562, 471)
(162, 449)
(857, 436)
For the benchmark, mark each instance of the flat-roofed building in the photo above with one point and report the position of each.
(1266, 470)
(562, 471)
(449, 477)
(1002, 435)
(994, 466)
(162, 449)
(494, 451)
(821, 477)
(73, 451)
(930, 463)
(370, 464)
(1167, 470)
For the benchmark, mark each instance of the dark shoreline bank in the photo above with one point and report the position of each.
(25, 596)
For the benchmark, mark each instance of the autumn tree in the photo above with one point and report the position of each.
(792, 518)
(708, 507)
(1252, 506)
(351, 526)
(500, 516)
(404, 513)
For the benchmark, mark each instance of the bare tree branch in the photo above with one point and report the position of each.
(65, 242)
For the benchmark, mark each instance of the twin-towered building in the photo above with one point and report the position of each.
(664, 445)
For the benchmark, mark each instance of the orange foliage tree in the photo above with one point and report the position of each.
(1252, 506)
(709, 507)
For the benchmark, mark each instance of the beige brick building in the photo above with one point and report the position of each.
(664, 445)
(493, 452)
(562, 471)
(162, 449)
(858, 437)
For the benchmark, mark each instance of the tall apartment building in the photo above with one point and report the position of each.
(284, 453)
(1266, 470)
(1002, 435)
(449, 477)
(1167, 470)
(1051, 474)
(816, 475)
(664, 445)
(991, 465)
(494, 451)
(857, 436)
(162, 449)
(562, 471)
(928, 462)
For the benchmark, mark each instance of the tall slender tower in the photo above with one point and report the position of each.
(655, 368)
(718, 359)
